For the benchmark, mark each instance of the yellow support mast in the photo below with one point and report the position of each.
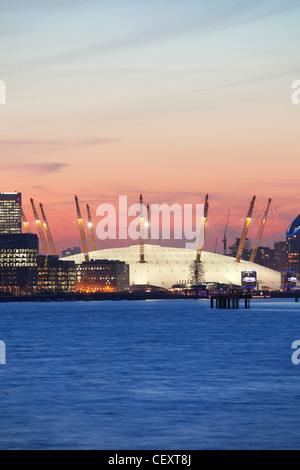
(25, 221)
(40, 229)
(48, 232)
(148, 224)
(82, 232)
(245, 231)
(225, 235)
(260, 232)
(203, 226)
(91, 229)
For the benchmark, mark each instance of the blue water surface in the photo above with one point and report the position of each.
(156, 375)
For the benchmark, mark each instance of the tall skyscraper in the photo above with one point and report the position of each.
(281, 256)
(293, 242)
(10, 213)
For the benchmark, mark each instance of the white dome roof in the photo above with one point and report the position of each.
(165, 267)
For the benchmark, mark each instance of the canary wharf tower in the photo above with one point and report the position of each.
(293, 241)
(10, 213)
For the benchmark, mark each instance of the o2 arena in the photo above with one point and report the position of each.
(165, 267)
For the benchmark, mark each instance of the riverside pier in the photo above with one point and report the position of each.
(230, 302)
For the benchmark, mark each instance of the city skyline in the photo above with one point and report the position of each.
(66, 233)
(167, 99)
(149, 227)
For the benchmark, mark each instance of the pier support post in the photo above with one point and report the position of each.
(224, 302)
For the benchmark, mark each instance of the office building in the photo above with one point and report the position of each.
(10, 213)
(102, 276)
(233, 249)
(265, 257)
(55, 275)
(281, 256)
(18, 263)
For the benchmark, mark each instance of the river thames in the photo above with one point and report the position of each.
(166, 374)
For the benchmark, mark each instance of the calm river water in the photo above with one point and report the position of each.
(149, 375)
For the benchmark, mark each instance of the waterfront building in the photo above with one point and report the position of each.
(10, 213)
(293, 242)
(55, 275)
(102, 276)
(18, 263)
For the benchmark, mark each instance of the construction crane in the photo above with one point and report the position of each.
(260, 232)
(203, 227)
(40, 229)
(48, 232)
(225, 235)
(245, 231)
(91, 229)
(82, 232)
(142, 234)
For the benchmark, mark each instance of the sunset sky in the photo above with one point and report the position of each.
(171, 98)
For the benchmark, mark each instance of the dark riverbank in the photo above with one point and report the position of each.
(81, 297)
(131, 296)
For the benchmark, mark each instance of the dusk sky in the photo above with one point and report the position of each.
(174, 99)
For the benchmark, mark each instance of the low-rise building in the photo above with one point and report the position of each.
(102, 276)
(18, 263)
(55, 275)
